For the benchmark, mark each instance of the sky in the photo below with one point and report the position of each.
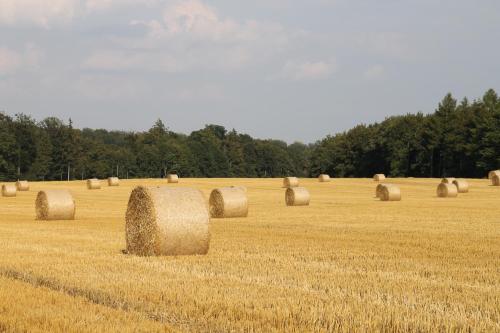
(282, 69)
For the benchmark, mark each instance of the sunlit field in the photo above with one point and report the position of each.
(348, 262)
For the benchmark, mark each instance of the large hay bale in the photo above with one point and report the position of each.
(93, 184)
(390, 193)
(462, 185)
(228, 202)
(495, 181)
(297, 196)
(22, 185)
(445, 190)
(55, 205)
(172, 178)
(448, 180)
(167, 221)
(290, 182)
(379, 177)
(380, 188)
(113, 181)
(324, 178)
(493, 173)
(9, 190)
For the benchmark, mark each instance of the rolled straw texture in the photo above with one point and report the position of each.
(379, 177)
(448, 180)
(228, 202)
(297, 196)
(113, 181)
(290, 182)
(445, 190)
(492, 173)
(22, 185)
(390, 193)
(55, 205)
(380, 188)
(495, 181)
(9, 190)
(462, 185)
(167, 221)
(324, 178)
(172, 178)
(93, 184)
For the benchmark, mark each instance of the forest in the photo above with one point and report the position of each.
(460, 138)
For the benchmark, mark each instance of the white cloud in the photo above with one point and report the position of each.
(309, 70)
(374, 72)
(101, 5)
(38, 12)
(12, 60)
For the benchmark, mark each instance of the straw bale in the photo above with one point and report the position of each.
(228, 202)
(55, 205)
(297, 196)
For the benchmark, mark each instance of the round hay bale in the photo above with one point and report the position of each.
(9, 190)
(448, 180)
(445, 190)
(324, 178)
(379, 189)
(297, 196)
(290, 182)
(22, 185)
(495, 181)
(228, 202)
(166, 221)
(55, 205)
(172, 178)
(390, 193)
(379, 177)
(113, 181)
(493, 173)
(462, 185)
(93, 184)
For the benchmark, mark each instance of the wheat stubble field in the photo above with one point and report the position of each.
(347, 262)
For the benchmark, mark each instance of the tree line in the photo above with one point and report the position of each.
(459, 139)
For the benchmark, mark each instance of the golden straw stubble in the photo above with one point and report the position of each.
(167, 221)
(228, 202)
(445, 190)
(297, 196)
(55, 205)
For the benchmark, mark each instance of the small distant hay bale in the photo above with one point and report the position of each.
(113, 181)
(380, 188)
(493, 173)
(22, 185)
(290, 182)
(93, 184)
(379, 177)
(166, 221)
(9, 190)
(172, 178)
(445, 190)
(448, 180)
(324, 178)
(495, 181)
(228, 202)
(55, 205)
(462, 185)
(297, 196)
(390, 193)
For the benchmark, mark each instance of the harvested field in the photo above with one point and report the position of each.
(346, 262)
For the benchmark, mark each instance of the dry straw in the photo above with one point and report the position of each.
(462, 185)
(297, 196)
(228, 202)
(445, 190)
(390, 193)
(495, 181)
(172, 178)
(22, 185)
(55, 205)
(493, 173)
(113, 181)
(93, 184)
(9, 190)
(324, 178)
(290, 182)
(379, 189)
(167, 221)
(379, 177)
(448, 180)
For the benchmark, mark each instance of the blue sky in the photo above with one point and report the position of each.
(291, 70)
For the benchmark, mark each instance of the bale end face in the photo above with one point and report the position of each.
(491, 174)
(290, 182)
(166, 221)
(297, 196)
(495, 181)
(9, 190)
(390, 193)
(445, 190)
(379, 177)
(379, 189)
(22, 185)
(55, 205)
(228, 202)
